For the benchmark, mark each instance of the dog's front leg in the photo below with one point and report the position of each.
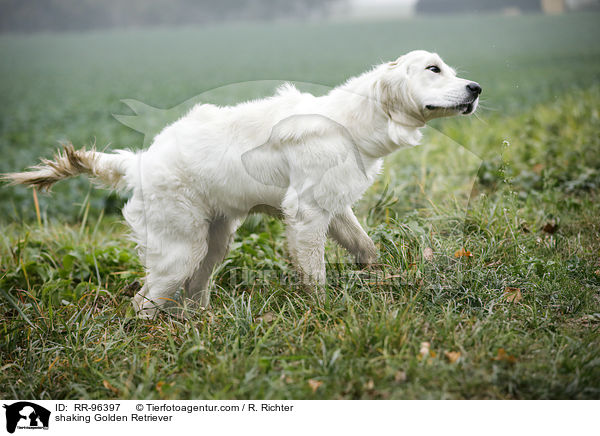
(345, 229)
(307, 232)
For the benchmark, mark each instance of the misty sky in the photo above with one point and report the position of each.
(384, 2)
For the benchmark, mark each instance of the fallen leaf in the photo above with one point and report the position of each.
(110, 387)
(286, 378)
(513, 295)
(132, 288)
(267, 317)
(502, 356)
(452, 356)
(428, 254)
(159, 386)
(314, 384)
(400, 377)
(424, 351)
(550, 227)
(462, 253)
(537, 168)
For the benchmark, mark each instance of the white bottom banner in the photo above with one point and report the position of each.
(299, 417)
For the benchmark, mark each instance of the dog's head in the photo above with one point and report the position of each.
(419, 86)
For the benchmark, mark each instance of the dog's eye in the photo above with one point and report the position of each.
(434, 69)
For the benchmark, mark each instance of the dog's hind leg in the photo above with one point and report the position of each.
(220, 236)
(345, 229)
(169, 263)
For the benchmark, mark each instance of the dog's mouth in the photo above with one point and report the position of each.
(463, 108)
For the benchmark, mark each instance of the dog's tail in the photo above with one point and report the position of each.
(109, 168)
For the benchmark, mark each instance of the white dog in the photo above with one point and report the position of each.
(306, 158)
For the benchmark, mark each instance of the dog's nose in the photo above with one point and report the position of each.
(474, 88)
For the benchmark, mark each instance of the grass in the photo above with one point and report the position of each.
(518, 189)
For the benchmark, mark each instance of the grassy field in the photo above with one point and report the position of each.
(517, 187)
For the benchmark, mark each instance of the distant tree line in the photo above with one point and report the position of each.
(61, 15)
(457, 6)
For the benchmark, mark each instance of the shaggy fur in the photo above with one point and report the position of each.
(307, 158)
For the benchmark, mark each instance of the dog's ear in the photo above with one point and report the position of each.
(397, 103)
(393, 95)
(398, 63)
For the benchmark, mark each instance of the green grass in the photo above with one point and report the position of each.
(490, 185)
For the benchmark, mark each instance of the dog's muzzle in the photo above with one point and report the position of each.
(474, 90)
(463, 108)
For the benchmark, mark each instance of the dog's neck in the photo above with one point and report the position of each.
(377, 133)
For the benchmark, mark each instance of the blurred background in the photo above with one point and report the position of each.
(67, 64)
(63, 15)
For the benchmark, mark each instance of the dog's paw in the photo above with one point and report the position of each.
(144, 308)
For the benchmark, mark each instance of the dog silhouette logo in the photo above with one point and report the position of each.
(26, 415)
